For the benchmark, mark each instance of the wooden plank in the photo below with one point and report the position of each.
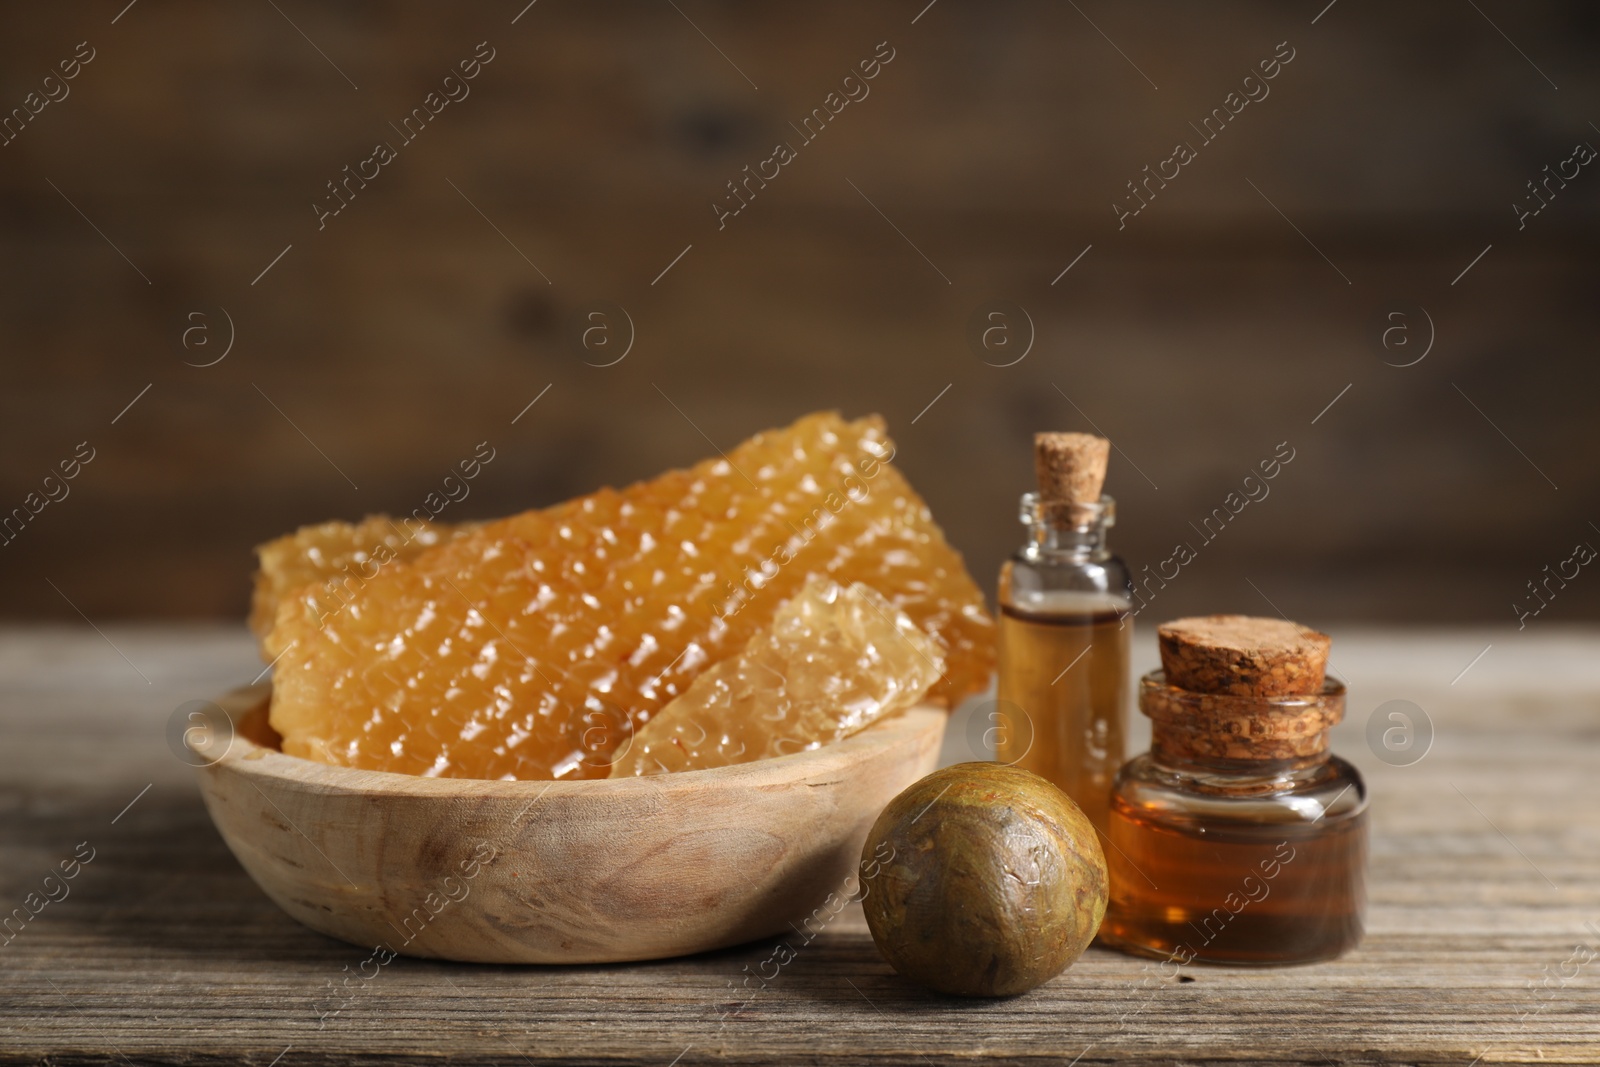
(596, 141)
(164, 952)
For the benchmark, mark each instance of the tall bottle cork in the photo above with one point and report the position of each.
(1071, 470)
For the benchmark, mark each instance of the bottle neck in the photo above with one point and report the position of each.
(1063, 531)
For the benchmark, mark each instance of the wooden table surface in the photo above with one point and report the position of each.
(1483, 940)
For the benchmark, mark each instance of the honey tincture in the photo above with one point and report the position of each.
(1238, 838)
(1065, 628)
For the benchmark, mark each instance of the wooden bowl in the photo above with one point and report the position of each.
(591, 871)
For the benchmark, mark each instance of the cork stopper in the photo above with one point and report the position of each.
(1071, 467)
(1240, 688)
(1187, 727)
(1243, 656)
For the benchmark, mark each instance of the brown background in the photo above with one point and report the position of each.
(1198, 338)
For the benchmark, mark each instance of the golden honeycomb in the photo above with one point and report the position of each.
(339, 558)
(532, 646)
(835, 660)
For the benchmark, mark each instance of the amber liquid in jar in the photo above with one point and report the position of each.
(1222, 891)
(1066, 669)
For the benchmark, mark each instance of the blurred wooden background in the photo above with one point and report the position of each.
(377, 352)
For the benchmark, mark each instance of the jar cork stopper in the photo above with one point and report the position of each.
(1241, 688)
(1243, 656)
(1071, 470)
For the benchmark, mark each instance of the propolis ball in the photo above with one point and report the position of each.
(983, 880)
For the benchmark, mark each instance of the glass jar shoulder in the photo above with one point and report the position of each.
(1328, 791)
(1046, 586)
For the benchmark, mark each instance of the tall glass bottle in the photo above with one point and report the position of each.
(1065, 630)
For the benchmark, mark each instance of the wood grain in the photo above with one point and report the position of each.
(1197, 338)
(165, 952)
(595, 871)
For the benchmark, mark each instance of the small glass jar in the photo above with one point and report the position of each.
(1238, 838)
(1065, 627)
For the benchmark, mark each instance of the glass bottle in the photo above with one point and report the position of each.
(1237, 846)
(1065, 628)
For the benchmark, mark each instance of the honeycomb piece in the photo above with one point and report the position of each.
(339, 558)
(835, 660)
(531, 647)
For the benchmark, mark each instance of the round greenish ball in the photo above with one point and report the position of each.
(983, 880)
